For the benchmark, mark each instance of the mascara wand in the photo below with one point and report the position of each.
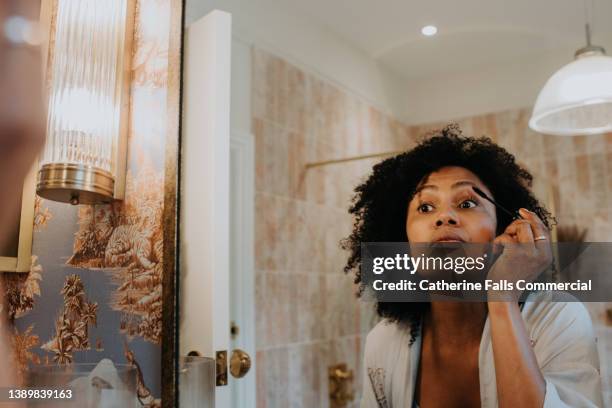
(481, 193)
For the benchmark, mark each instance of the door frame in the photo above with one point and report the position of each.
(242, 259)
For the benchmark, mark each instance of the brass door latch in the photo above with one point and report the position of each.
(340, 386)
(221, 368)
(239, 365)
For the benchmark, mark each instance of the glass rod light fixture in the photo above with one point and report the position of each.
(84, 160)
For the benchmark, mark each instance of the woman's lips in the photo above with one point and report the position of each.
(449, 238)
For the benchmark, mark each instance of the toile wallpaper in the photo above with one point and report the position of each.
(94, 290)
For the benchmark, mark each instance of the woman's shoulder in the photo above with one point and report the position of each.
(556, 322)
(386, 336)
(555, 309)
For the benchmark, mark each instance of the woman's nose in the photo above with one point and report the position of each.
(447, 218)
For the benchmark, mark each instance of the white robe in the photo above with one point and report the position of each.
(564, 345)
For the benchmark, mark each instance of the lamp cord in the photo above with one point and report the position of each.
(588, 16)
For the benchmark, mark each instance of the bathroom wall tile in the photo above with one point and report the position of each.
(306, 246)
(271, 88)
(550, 145)
(609, 172)
(598, 179)
(331, 185)
(465, 124)
(567, 186)
(257, 127)
(504, 124)
(491, 126)
(347, 139)
(580, 143)
(337, 228)
(318, 180)
(595, 144)
(527, 145)
(308, 291)
(261, 376)
(583, 179)
(342, 312)
(330, 113)
(608, 141)
(297, 108)
(280, 310)
(299, 246)
(599, 224)
(261, 307)
(402, 135)
(537, 149)
(276, 366)
(271, 157)
(479, 127)
(273, 222)
(277, 83)
(564, 146)
(304, 376)
(296, 161)
(551, 170)
(314, 180)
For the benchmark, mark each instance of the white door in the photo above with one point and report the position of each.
(216, 210)
(205, 192)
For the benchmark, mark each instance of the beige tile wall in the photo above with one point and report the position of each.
(307, 315)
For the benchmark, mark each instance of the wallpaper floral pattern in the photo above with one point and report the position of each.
(94, 289)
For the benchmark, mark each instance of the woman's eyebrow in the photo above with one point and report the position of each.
(423, 187)
(462, 183)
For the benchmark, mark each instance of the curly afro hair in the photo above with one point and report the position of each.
(380, 204)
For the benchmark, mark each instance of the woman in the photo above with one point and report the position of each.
(22, 134)
(485, 354)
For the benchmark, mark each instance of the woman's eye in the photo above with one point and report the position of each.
(468, 204)
(424, 208)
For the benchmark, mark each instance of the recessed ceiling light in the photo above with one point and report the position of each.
(429, 30)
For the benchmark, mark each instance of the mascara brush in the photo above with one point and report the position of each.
(481, 193)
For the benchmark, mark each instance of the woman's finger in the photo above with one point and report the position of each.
(522, 229)
(502, 241)
(541, 233)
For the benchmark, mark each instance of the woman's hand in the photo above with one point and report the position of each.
(525, 253)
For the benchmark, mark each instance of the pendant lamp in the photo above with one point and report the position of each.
(577, 99)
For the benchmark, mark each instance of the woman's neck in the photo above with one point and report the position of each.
(455, 322)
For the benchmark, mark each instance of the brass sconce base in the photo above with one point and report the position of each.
(75, 184)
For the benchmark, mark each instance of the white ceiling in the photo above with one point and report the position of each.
(470, 32)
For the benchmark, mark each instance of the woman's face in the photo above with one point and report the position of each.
(446, 209)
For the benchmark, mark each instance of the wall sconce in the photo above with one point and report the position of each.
(84, 161)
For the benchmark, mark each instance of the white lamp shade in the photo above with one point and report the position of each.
(577, 99)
